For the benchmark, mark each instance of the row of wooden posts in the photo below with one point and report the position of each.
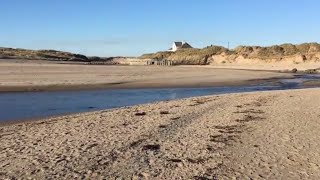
(163, 62)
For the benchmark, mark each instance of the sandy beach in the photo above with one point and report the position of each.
(265, 135)
(45, 76)
(160, 90)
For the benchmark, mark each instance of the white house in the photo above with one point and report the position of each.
(179, 45)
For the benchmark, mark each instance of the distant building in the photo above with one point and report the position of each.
(179, 45)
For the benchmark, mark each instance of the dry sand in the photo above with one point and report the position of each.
(42, 75)
(265, 135)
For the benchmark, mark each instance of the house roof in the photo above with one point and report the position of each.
(186, 45)
(182, 45)
(178, 44)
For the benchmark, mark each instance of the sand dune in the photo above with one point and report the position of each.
(265, 135)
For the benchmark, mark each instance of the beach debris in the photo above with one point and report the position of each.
(151, 147)
(249, 118)
(294, 70)
(175, 160)
(140, 113)
(175, 118)
(210, 148)
(162, 126)
(225, 139)
(197, 102)
(125, 124)
(196, 161)
(254, 111)
(136, 143)
(164, 112)
(92, 146)
(229, 129)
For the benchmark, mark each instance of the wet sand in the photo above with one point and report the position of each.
(46, 76)
(265, 135)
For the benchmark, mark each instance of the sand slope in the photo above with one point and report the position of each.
(266, 135)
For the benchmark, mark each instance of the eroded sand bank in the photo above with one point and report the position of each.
(265, 135)
(42, 75)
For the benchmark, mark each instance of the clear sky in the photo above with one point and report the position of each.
(134, 27)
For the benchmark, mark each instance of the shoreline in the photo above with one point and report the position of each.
(30, 120)
(238, 135)
(136, 85)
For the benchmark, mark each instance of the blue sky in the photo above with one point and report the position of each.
(134, 27)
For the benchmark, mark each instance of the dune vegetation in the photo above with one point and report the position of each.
(13, 53)
(306, 51)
